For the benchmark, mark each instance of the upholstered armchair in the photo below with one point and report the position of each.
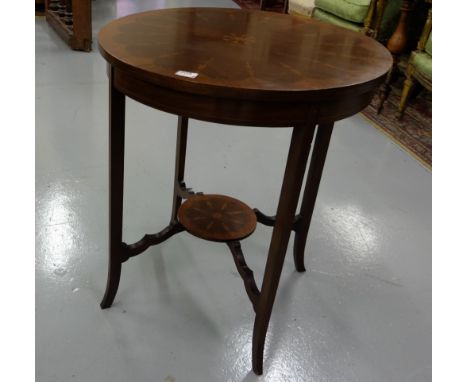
(419, 65)
(376, 18)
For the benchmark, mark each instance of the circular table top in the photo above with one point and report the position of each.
(242, 53)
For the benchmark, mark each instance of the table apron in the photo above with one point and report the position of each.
(238, 111)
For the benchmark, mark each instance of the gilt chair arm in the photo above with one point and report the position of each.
(425, 33)
(374, 17)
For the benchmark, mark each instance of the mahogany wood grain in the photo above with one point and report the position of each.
(271, 220)
(240, 111)
(244, 54)
(116, 184)
(181, 149)
(292, 181)
(217, 218)
(317, 161)
(252, 68)
(245, 272)
(131, 250)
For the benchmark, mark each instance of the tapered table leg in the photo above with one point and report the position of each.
(116, 184)
(290, 190)
(314, 175)
(181, 149)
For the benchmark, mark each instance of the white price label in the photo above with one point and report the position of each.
(183, 73)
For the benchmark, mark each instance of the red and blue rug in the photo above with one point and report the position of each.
(414, 131)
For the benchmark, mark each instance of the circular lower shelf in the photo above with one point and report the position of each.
(217, 218)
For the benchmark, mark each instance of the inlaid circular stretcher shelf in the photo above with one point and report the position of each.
(217, 218)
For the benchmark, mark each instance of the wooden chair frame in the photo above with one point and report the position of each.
(374, 17)
(411, 72)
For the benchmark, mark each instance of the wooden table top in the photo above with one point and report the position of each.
(244, 53)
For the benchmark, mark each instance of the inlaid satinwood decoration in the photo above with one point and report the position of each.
(236, 39)
(217, 217)
(238, 49)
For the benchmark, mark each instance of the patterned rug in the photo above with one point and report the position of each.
(414, 131)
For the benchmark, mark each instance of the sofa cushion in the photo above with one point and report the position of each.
(423, 63)
(301, 7)
(351, 10)
(329, 18)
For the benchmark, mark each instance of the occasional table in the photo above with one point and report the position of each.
(238, 67)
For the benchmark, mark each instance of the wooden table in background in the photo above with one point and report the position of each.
(236, 67)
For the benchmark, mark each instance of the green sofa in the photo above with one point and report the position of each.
(376, 18)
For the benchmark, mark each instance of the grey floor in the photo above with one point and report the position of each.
(361, 312)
